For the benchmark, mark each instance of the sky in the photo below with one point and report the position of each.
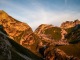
(37, 12)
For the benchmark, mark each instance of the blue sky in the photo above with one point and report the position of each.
(36, 12)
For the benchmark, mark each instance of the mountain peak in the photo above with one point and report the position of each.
(46, 25)
(12, 26)
(2, 12)
(42, 27)
(69, 24)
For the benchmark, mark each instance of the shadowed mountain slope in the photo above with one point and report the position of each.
(13, 50)
(74, 35)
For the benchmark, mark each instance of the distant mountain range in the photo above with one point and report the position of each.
(47, 42)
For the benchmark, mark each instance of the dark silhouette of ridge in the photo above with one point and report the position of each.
(20, 48)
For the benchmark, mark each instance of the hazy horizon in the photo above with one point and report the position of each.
(36, 12)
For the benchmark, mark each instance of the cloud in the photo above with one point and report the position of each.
(55, 18)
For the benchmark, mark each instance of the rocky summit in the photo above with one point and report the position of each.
(47, 42)
(69, 24)
(13, 27)
(18, 31)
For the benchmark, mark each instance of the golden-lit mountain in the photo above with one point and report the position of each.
(61, 38)
(18, 31)
(47, 42)
(42, 28)
(13, 27)
(69, 24)
(48, 32)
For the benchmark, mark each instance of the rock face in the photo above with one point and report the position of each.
(31, 42)
(56, 36)
(69, 24)
(52, 53)
(42, 28)
(18, 31)
(40, 31)
(13, 27)
(48, 33)
(63, 33)
(45, 31)
(60, 55)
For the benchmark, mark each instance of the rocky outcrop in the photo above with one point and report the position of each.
(51, 34)
(31, 42)
(14, 28)
(42, 28)
(52, 53)
(40, 31)
(69, 24)
(63, 33)
(18, 31)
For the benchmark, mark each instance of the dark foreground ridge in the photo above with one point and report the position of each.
(15, 48)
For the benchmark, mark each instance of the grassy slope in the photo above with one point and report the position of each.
(73, 37)
(72, 49)
(54, 32)
(69, 29)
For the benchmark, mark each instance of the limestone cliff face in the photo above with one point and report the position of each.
(13, 27)
(51, 34)
(69, 24)
(18, 31)
(48, 32)
(42, 28)
(40, 32)
(31, 41)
